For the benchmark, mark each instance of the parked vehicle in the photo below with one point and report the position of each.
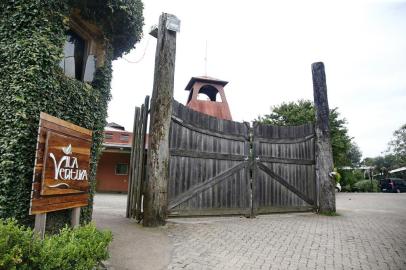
(392, 185)
(338, 187)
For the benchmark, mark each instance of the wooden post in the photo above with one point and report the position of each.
(40, 222)
(324, 154)
(156, 200)
(75, 218)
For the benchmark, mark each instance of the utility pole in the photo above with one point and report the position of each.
(156, 198)
(324, 153)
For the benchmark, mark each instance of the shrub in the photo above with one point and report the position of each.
(358, 175)
(80, 248)
(19, 247)
(365, 186)
(347, 178)
(346, 188)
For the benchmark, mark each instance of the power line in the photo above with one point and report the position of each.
(142, 56)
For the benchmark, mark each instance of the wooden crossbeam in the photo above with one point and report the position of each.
(206, 155)
(286, 160)
(283, 182)
(207, 184)
(284, 140)
(217, 134)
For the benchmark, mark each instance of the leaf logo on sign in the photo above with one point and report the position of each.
(67, 150)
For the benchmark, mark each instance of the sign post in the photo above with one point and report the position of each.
(61, 171)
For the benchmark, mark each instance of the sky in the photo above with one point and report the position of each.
(265, 50)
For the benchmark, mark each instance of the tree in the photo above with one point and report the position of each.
(354, 154)
(303, 111)
(397, 146)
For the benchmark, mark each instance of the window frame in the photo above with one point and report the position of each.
(91, 49)
(116, 167)
(124, 135)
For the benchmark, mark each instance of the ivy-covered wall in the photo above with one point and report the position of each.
(32, 36)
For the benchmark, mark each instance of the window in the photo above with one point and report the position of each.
(121, 169)
(108, 136)
(209, 93)
(77, 62)
(124, 137)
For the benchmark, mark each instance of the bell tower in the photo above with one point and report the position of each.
(207, 96)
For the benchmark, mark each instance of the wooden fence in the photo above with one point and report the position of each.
(137, 171)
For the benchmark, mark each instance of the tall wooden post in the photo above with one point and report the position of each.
(156, 199)
(324, 154)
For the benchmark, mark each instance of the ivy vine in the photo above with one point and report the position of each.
(32, 35)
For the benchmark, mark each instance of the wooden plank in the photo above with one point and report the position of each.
(69, 125)
(49, 200)
(285, 160)
(64, 130)
(285, 183)
(209, 212)
(142, 157)
(137, 163)
(217, 134)
(207, 184)
(131, 169)
(285, 140)
(206, 155)
(131, 182)
(285, 209)
(59, 206)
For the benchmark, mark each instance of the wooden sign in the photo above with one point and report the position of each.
(61, 172)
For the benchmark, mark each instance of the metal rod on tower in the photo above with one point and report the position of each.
(205, 61)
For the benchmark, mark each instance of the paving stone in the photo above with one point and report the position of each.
(363, 236)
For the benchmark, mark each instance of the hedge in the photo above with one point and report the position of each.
(81, 248)
(32, 36)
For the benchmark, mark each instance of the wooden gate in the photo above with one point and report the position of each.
(220, 167)
(284, 176)
(209, 170)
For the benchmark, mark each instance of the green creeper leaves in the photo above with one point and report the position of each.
(32, 36)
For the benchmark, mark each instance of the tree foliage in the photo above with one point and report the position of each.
(394, 158)
(121, 21)
(397, 146)
(354, 154)
(303, 111)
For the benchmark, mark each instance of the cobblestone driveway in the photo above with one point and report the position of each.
(370, 233)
